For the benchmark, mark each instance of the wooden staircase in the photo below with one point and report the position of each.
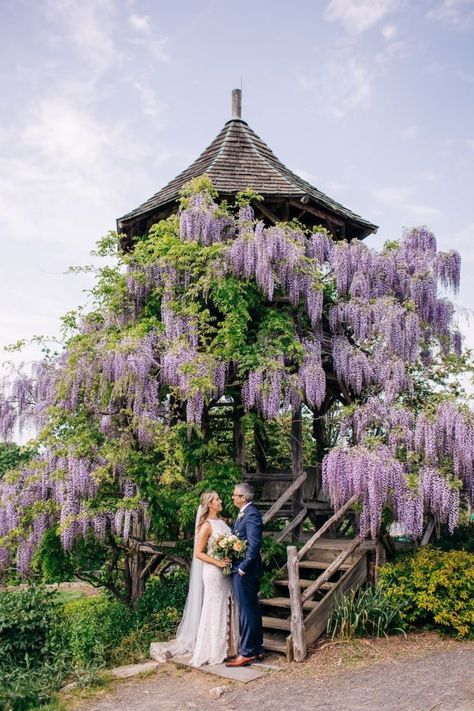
(328, 569)
(314, 578)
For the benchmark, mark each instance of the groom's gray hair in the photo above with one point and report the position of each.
(246, 490)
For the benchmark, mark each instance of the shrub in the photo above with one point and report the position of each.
(93, 626)
(367, 612)
(436, 587)
(32, 659)
(28, 632)
(135, 646)
(167, 591)
(462, 539)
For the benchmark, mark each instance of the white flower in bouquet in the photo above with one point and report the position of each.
(227, 545)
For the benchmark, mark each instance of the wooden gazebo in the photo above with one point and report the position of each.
(329, 563)
(238, 159)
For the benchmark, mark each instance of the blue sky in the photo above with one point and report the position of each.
(104, 101)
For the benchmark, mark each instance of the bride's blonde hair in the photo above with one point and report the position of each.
(206, 498)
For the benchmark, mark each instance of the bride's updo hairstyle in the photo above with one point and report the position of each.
(206, 498)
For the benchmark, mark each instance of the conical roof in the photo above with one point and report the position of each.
(238, 159)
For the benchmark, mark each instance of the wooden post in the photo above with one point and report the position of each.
(236, 103)
(297, 464)
(238, 436)
(259, 438)
(297, 622)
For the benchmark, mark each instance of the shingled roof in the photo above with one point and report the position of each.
(238, 159)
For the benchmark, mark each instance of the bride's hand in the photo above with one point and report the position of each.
(224, 563)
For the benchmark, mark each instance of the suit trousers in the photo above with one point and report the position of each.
(250, 617)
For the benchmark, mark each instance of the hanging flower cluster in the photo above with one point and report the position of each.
(390, 443)
(62, 489)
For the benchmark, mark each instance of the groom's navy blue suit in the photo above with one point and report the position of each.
(248, 527)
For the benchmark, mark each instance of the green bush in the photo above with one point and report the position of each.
(42, 640)
(28, 633)
(93, 626)
(368, 612)
(462, 539)
(32, 657)
(170, 590)
(436, 587)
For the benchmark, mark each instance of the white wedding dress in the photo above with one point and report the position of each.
(217, 635)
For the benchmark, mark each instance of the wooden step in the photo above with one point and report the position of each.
(275, 645)
(276, 623)
(306, 584)
(285, 602)
(322, 565)
(335, 544)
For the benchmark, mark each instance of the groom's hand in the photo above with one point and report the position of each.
(241, 572)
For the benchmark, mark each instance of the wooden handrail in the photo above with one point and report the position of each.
(324, 577)
(284, 498)
(325, 527)
(297, 520)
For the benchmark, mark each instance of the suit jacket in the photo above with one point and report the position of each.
(249, 528)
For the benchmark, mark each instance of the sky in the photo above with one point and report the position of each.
(102, 102)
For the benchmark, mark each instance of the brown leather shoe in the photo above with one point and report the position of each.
(260, 657)
(241, 661)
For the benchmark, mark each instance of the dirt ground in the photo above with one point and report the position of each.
(420, 673)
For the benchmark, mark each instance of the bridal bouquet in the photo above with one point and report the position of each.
(226, 545)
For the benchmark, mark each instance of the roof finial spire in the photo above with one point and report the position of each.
(236, 103)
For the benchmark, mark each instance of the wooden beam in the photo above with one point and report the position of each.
(428, 532)
(279, 503)
(321, 531)
(297, 623)
(267, 213)
(268, 476)
(327, 216)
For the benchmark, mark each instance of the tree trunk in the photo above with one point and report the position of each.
(135, 562)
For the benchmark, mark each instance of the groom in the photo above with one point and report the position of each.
(246, 576)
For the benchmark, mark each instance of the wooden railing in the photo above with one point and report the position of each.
(330, 522)
(297, 599)
(281, 501)
(337, 562)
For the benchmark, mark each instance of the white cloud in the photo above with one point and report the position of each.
(89, 26)
(470, 143)
(358, 15)
(458, 13)
(64, 134)
(389, 31)
(156, 46)
(152, 106)
(346, 85)
(141, 23)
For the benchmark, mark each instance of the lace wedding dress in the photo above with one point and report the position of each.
(217, 635)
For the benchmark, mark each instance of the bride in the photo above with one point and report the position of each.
(209, 628)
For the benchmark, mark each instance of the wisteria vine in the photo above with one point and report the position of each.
(365, 318)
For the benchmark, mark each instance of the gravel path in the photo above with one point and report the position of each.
(439, 681)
